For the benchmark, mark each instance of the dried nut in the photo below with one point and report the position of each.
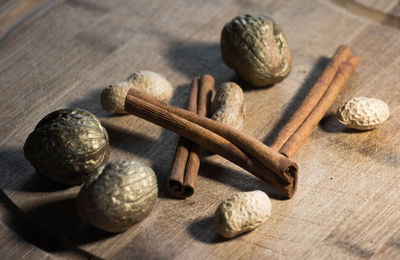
(242, 212)
(67, 145)
(256, 48)
(228, 105)
(113, 97)
(118, 195)
(363, 113)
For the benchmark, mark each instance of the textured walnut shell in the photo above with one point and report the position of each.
(242, 212)
(113, 97)
(228, 105)
(363, 113)
(256, 48)
(118, 195)
(67, 145)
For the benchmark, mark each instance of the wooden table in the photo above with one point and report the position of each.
(56, 54)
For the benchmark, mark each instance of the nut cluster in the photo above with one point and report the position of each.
(70, 146)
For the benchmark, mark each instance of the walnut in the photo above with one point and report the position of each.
(118, 195)
(256, 48)
(67, 145)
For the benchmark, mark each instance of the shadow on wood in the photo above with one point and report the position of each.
(330, 124)
(39, 235)
(91, 103)
(198, 58)
(62, 219)
(15, 168)
(204, 231)
(236, 179)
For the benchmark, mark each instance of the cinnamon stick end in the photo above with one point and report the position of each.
(207, 79)
(290, 175)
(292, 187)
(178, 190)
(175, 188)
(187, 191)
(343, 48)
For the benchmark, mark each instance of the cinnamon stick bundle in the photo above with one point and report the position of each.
(186, 164)
(342, 53)
(245, 151)
(317, 102)
(305, 129)
(264, 162)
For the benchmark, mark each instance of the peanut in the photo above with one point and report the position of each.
(363, 113)
(113, 97)
(228, 105)
(242, 212)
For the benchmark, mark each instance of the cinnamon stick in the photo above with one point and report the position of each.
(302, 133)
(176, 179)
(342, 53)
(182, 180)
(266, 155)
(193, 164)
(245, 151)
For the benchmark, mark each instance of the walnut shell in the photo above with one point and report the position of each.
(256, 48)
(228, 105)
(118, 195)
(113, 97)
(66, 145)
(363, 113)
(242, 212)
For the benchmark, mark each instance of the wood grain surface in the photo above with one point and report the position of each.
(56, 54)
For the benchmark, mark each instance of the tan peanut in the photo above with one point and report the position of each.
(228, 105)
(113, 97)
(363, 113)
(242, 212)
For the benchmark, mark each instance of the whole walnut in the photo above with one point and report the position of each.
(118, 195)
(256, 48)
(66, 145)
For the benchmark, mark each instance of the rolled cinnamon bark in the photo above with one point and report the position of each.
(205, 90)
(342, 53)
(245, 151)
(306, 128)
(175, 182)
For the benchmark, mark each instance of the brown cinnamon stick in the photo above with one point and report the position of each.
(306, 128)
(182, 180)
(193, 164)
(176, 179)
(243, 150)
(342, 53)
